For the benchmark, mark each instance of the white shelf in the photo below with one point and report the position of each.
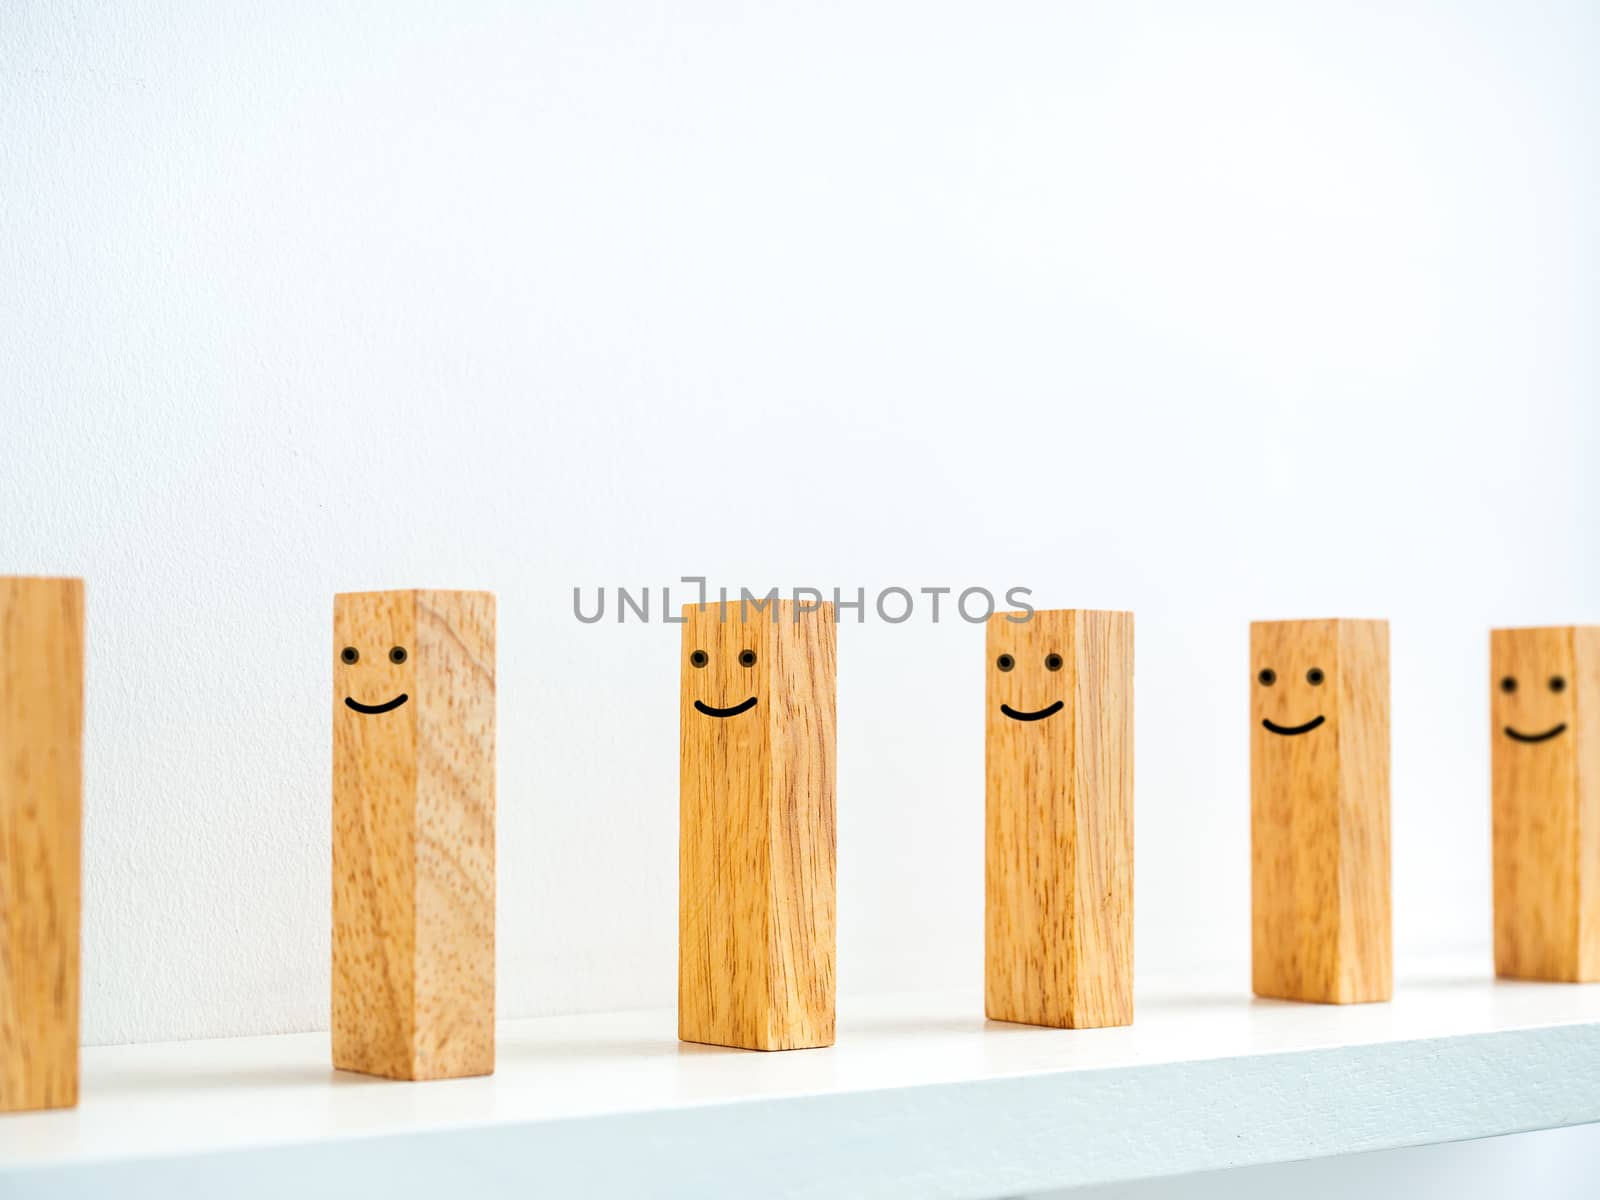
(920, 1097)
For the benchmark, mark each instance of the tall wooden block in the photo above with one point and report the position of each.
(413, 833)
(41, 817)
(1319, 810)
(1058, 913)
(756, 834)
(1545, 751)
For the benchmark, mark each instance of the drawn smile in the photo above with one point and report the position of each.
(1037, 714)
(709, 711)
(1291, 730)
(1535, 737)
(390, 706)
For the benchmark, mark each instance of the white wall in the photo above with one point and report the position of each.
(1215, 312)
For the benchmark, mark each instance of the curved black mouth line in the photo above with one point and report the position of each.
(1037, 714)
(1535, 737)
(1291, 730)
(376, 708)
(725, 712)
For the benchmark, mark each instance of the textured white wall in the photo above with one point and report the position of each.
(1210, 311)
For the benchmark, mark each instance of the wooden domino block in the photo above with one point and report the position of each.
(413, 833)
(41, 817)
(1058, 913)
(756, 834)
(1545, 753)
(1319, 811)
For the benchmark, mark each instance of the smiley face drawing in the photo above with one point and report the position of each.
(351, 656)
(1533, 700)
(1006, 662)
(375, 654)
(1314, 678)
(747, 659)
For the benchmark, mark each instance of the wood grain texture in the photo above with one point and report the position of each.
(1546, 802)
(1058, 912)
(1319, 812)
(756, 857)
(41, 817)
(414, 835)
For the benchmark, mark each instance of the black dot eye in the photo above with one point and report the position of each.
(1267, 676)
(1315, 677)
(747, 658)
(1052, 662)
(1508, 684)
(699, 658)
(397, 654)
(349, 656)
(1005, 662)
(1557, 683)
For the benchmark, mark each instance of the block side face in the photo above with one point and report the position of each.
(1535, 804)
(374, 836)
(41, 807)
(724, 834)
(802, 830)
(1029, 822)
(455, 834)
(1585, 687)
(1102, 789)
(1366, 959)
(1294, 812)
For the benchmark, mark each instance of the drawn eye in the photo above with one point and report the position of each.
(747, 658)
(397, 654)
(1005, 662)
(699, 658)
(1268, 677)
(1052, 662)
(349, 656)
(1508, 684)
(1315, 677)
(1557, 683)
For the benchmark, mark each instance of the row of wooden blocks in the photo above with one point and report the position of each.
(413, 813)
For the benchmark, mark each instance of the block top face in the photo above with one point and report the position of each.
(1534, 680)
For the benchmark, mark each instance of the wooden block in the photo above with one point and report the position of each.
(756, 833)
(1545, 754)
(413, 833)
(1319, 810)
(1058, 913)
(41, 818)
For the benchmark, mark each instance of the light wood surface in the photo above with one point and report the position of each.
(413, 835)
(1546, 801)
(1319, 812)
(756, 856)
(1058, 929)
(41, 816)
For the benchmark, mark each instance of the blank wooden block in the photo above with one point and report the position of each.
(413, 833)
(41, 817)
(756, 834)
(1545, 751)
(1058, 927)
(1319, 810)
